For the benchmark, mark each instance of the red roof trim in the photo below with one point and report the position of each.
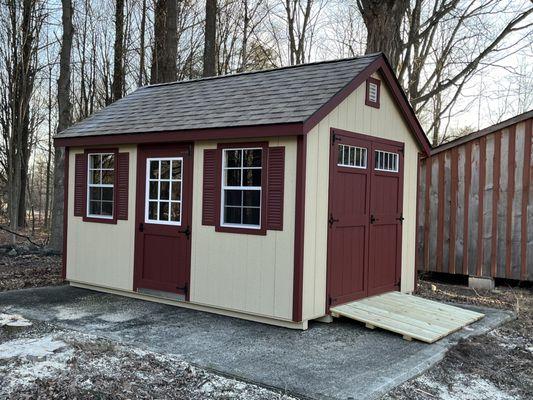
(382, 65)
(239, 132)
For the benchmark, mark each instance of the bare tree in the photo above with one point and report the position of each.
(64, 121)
(209, 38)
(118, 71)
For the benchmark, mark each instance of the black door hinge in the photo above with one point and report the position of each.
(330, 300)
(141, 227)
(184, 289)
(187, 232)
(400, 218)
(335, 138)
(331, 220)
(190, 150)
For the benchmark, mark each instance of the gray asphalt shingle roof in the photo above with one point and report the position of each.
(282, 95)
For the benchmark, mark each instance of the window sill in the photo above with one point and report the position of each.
(244, 231)
(101, 220)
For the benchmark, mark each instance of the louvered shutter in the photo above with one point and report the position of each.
(123, 173)
(209, 188)
(275, 186)
(80, 185)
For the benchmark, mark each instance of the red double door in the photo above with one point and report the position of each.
(365, 216)
(163, 217)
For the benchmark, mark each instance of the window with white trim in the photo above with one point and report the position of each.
(352, 156)
(164, 182)
(241, 187)
(100, 185)
(386, 161)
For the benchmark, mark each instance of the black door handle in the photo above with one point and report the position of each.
(373, 219)
(187, 231)
(332, 220)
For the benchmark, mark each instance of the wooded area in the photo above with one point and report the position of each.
(62, 61)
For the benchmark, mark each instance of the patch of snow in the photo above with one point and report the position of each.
(472, 388)
(13, 320)
(39, 347)
(64, 313)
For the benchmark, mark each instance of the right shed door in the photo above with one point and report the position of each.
(365, 216)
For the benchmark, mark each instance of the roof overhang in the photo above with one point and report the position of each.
(379, 65)
(239, 132)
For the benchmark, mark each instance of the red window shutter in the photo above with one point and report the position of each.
(209, 188)
(80, 185)
(275, 185)
(123, 174)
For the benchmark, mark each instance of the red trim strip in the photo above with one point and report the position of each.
(239, 132)
(65, 214)
(453, 207)
(440, 214)
(526, 182)
(510, 196)
(427, 221)
(297, 297)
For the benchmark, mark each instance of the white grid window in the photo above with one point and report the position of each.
(163, 190)
(352, 156)
(373, 92)
(100, 185)
(241, 187)
(386, 161)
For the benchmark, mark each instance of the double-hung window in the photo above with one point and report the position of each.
(241, 187)
(100, 185)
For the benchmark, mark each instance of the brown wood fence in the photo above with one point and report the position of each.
(475, 204)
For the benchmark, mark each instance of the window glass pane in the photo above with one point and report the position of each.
(165, 169)
(152, 210)
(176, 190)
(233, 197)
(251, 177)
(94, 208)
(163, 211)
(108, 161)
(233, 158)
(153, 190)
(232, 215)
(386, 161)
(154, 169)
(94, 177)
(346, 156)
(107, 194)
(108, 177)
(339, 161)
(252, 158)
(164, 190)
(176, 169)
(252, 198)
(175, 214)
(233, 177)
(94, 161)
(107, 208)
(95, 193)
(352, 156)
(250, 216)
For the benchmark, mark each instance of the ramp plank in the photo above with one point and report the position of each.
(410, 316)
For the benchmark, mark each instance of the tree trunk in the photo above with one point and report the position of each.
(383, 21)
(210, 38)
(118, 71)
(64, 121)
(165, 46)
(142, 52)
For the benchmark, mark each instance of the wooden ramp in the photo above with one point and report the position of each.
(410, 316)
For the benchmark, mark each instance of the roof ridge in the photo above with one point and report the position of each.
(371, 55)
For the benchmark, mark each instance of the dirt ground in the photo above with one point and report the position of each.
(498, 365)
(44, 362)
(29, 270)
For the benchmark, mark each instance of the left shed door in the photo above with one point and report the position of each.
(163, 215)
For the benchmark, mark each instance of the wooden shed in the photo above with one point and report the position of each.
(269, 196)
(475, 214)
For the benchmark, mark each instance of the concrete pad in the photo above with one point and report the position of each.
(481, 283)
(339, 360)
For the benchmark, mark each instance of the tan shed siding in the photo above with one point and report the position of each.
(101, 254)
(247, 273)
(352, 115)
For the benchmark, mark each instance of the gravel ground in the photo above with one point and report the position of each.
(44, 362)
(498, 365)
